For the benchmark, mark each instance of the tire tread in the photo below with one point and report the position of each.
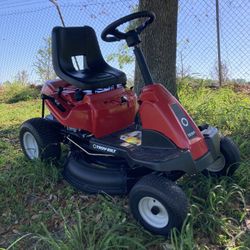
(168, 191)
(47, 137)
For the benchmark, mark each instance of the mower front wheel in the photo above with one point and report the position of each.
(158, 204)
(231, 154)
(39, 140)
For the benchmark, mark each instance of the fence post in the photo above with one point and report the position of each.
(218, 41)
(63, 23)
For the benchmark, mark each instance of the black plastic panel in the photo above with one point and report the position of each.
(151, 138)
(184, 121)
(91, 179)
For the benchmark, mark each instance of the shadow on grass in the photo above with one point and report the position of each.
(10, 132)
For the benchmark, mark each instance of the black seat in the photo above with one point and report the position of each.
(81, 41)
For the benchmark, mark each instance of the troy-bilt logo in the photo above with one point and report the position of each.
(103, 148)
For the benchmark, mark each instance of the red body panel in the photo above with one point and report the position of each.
(104, 113)
(100, 114)
(157, 114)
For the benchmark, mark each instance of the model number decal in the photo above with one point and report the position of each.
(191, 134)
(104, 149)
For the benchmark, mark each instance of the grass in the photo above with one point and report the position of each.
(39, 210)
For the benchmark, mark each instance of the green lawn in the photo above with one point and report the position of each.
(38, 209)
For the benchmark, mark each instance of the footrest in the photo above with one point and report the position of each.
(161, 159)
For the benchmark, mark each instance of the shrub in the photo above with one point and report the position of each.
(16, 92)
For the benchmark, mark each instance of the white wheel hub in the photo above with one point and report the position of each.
(153, 212)
(30, 145)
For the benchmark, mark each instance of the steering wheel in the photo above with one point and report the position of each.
(112, 34)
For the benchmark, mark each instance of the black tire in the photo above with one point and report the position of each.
(231, 154)
(46, 137)
(167, 196)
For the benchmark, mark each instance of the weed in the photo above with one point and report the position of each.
(38, 209)
(17, 92)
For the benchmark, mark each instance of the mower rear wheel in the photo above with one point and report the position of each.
(39, 140)
(231, 154)
(158, 204)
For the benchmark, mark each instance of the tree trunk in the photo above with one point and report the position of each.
(159, 44)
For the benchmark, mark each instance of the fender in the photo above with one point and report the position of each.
(160, 111)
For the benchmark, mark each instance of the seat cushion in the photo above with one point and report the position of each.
(93, 79)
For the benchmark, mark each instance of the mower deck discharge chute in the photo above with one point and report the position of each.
(120, 143)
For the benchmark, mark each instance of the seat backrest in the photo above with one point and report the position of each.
(68, 42)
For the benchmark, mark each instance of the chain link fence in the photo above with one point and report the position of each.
(26, 25)
(200, 27)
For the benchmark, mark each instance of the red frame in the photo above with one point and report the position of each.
(104, 113)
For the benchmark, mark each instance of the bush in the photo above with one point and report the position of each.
(16, 92)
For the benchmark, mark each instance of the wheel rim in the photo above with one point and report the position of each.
(30, 145)
(219, 166)
(153, 212)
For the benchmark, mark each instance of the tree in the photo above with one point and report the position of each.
(43, 65)
(159, 43)
(224, 72)
(123, 57)
(182, 70)
(22, 77)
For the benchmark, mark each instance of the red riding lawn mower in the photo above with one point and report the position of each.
(120, 143)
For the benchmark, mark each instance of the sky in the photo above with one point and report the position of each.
(23, 24)
(197, 38)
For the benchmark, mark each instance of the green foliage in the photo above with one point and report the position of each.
(109, 230)
(43, 65)
(223, 108)
(16, 92)
(185, 239)
(39, 210)
(123, 57)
